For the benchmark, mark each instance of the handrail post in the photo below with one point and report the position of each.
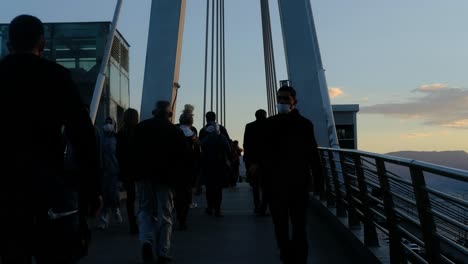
(370, 232)
(327, 195)
(340, 208)
(431, 241)
(396, 249)
(353, 219)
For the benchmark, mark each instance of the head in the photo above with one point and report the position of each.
(26, 35)
(109, 125)
(186, 118)
(163, 110)
(210, 116)
(286, 99)
(236, 143)
(260, 114)
(130, 117)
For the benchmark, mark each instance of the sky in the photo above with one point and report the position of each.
(404, 62)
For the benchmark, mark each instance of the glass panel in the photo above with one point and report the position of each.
(345, 131)
(114, 83)
(124, 91)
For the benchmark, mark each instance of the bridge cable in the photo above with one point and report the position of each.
(270, 69)
(206, 58)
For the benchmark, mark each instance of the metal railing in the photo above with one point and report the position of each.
(402, 198)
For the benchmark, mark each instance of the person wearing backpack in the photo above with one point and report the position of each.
(216, 152)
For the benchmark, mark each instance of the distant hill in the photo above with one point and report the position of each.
(453, 159)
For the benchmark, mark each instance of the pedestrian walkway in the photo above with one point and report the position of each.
(239, 237)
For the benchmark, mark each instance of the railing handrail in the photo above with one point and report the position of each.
(456, 174)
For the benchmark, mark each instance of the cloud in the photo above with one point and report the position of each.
(416, 135)
(440, 106)
(335, 92)
(432, 87)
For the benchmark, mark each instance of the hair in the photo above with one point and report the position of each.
(260, 114)
(25, 31)
(210, 116)
(288, 89)
(161, 108)
(186, 118)
(130, 117)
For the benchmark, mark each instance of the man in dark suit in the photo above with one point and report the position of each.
(291, 159)
(41, 101)
(253, 136)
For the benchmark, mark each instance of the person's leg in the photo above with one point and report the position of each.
(218, 198)
(146, 217)
(256, 194)
(279, 212)
(131, 197)
(210, 199)
(165, 199)
(298, 205)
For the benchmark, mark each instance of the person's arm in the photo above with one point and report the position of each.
(81, 134)
(315, 161)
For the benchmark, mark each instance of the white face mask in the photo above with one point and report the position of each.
(108, 128)
(283, 108)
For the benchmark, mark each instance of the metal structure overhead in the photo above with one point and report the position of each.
(303, 60)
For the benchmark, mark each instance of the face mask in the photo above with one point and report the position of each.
(108, 128)
(283, 108)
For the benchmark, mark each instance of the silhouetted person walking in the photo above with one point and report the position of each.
(184, 189)
(124, 156)
(159, 149)
(253, 136)
(215, 167)
(39, 207)
(290, 155)
(211, 119)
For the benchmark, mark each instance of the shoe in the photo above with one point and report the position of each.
(209, 211)
(147, 252)
(164, 260)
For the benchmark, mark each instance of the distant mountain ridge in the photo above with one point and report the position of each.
(456, 159)
(453, 159)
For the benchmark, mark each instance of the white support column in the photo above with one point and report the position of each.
(163, 53)
(305, 68)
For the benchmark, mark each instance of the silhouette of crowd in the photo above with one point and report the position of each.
(62, 171)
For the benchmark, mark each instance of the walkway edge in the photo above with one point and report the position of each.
(342, 231)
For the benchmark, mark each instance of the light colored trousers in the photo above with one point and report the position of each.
(155, 209)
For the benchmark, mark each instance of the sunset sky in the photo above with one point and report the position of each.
(404, 62)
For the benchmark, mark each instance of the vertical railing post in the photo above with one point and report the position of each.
(327, 195)
(340, 208)
(397, 254)
(431, 241)
(353, 219)
(370, 232)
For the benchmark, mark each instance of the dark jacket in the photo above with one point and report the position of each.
(253, 136)
(222, 130)
(290, 153)
(40, 99)
(123, 152)
(160, 151)
(216, 152)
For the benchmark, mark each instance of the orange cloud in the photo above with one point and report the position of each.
(416, 135)
(335, 92)
(432, 87)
